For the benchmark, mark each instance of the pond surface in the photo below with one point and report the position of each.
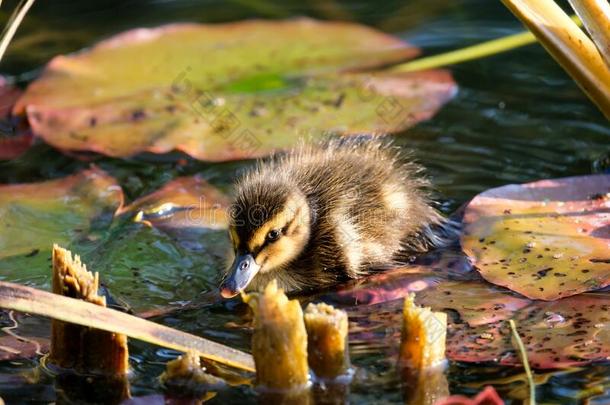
(517, 118)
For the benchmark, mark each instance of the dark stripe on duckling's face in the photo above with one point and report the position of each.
(279, 239)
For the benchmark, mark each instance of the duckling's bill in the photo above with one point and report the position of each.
(242, 271)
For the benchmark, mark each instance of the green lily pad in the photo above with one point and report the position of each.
(229, 91)
(546, 240)
(147, 254)
(34, 216)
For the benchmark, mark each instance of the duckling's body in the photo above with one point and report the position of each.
(322, 214)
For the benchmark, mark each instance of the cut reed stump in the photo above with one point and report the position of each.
(185, 378)
(279, 346)
(93, 364)
(327, 341)
(328, 355)
(76, 347)
(422, 354)
(279, 342)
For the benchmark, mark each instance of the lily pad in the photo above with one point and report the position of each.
(488, 396)
(570, 332)
(430, 270)
(13, 141)
(143, 255)
(184, 202)
(12, 348)
(14, 146)
(34, 216)
(546, 240)
(557, 334)
(229, 91)
(477, 303)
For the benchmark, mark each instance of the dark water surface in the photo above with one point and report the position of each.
(517, 118)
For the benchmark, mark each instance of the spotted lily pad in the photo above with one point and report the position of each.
(546, 240)
(229, 91)
(477, 303)
(564, 333)
(145, 255)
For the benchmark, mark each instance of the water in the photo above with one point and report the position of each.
(517, 118)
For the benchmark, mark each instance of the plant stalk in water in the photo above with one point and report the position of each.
(478, 51)
(526, 365)
(568, 45)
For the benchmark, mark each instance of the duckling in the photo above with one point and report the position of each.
(326, 213)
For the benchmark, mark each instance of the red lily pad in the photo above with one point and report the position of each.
(13, 141)
(488, 396)
(546, 240)
(563, 333)
(12, 348)
(14, 146)
(430, 270)
(229, 91)
(184, 202)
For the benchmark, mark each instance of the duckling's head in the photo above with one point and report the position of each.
(270, 227)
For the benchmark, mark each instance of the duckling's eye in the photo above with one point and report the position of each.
(274, 235)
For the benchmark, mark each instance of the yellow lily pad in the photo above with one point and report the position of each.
(229, 91)
(546, 240)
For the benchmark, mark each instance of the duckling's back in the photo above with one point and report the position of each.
(368, 205)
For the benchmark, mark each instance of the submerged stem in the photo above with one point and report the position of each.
(472, 52)
(526, 365)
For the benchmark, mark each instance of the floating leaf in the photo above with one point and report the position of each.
(184, 202)
(488, 396)
(229, 91)
(8, 97)
(13, 141)
(477, 304)
(389, 285)
(33, 216)
(12, 348)
(145, 263)
(546, 240)
(14, 146)
(568, 332)
(562, 333)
